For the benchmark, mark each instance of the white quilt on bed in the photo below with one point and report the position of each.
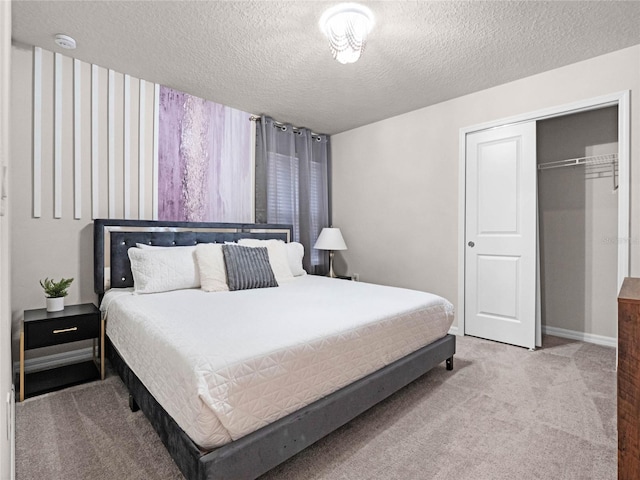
(224, 364)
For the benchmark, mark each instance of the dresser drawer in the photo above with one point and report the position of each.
(61, 330)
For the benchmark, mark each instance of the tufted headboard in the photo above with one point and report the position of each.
(113, 238)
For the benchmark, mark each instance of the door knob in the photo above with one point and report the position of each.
(471, 244)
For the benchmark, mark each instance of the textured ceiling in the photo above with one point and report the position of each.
(270, 56)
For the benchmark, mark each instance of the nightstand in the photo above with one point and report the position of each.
(42, 329)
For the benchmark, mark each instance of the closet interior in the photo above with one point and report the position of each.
(577, 158)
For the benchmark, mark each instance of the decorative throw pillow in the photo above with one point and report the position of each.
(277, 256)
(248, 267)
(213, 275)
(295, 254)
(163, 269)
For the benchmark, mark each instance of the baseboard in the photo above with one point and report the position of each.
(570, 334)
(582, 336)
(55, 360)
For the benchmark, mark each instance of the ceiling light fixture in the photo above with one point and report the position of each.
(347, 25)
(65, 41)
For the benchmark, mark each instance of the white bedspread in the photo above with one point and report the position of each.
(227, 363)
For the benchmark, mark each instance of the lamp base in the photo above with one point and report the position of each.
(331, 274)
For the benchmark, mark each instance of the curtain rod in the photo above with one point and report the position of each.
(255, 118)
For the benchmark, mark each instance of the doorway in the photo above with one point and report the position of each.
(578, 223)
(468, 305)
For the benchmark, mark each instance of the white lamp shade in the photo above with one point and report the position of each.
(330, 239)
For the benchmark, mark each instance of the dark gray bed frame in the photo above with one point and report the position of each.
(260, 451)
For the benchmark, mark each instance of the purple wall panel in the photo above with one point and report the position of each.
(204, 160)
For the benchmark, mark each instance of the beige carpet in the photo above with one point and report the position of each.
(503, 413)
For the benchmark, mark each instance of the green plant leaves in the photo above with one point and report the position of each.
(53, 289)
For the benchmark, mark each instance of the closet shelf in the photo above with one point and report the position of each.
(610, 158)
(597, 166)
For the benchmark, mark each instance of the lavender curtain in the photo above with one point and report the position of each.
(292, 184)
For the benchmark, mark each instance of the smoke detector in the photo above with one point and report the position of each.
(65, 41)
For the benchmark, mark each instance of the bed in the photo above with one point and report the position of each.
(257, 400)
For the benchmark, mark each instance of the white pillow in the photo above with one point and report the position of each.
(295, 253)
(213, 274)
(163, 269)
(277, 257)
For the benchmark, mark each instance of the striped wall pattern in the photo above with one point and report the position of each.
(94, 140)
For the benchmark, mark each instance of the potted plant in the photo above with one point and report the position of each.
(55, 292)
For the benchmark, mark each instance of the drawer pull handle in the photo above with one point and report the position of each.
(64, 330)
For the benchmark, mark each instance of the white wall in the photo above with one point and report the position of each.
(395, 182)
(5, 310)
(578, 218)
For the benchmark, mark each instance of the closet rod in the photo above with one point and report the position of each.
(572, 162)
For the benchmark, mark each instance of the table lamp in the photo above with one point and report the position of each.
(330, 239)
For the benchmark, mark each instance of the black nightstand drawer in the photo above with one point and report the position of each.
(75, 322)
(61, 330)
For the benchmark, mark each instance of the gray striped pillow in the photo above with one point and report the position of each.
(248, 267)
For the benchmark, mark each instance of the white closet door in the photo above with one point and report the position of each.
(500, 260)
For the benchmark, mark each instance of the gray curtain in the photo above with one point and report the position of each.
(292, 184)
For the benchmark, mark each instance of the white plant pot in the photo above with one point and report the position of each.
(55, 304)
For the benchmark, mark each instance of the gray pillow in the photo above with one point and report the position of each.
(248, 267)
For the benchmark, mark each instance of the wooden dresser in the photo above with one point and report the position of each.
(629, 380)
